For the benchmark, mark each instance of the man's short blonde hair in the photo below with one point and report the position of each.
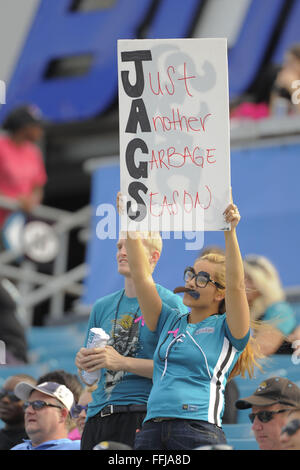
(152, 240)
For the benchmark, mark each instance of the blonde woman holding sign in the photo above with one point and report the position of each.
(198, 352)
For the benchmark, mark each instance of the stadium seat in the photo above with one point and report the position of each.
(59, 34)
(47, 336)
(240, 436)
(242, 431)
(173, 18)
(35, 370)
(47, 353)
(55, 343)
(280, 365)
(243, 444)
(65, 363)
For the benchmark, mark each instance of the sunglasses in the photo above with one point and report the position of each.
(7, 393)
(292, 427)
(201, 279)
(39, 405)
(264, 416)
(77, 409)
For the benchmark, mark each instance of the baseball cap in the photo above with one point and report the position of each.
(23, 116)
(271, 391)
(23, 391)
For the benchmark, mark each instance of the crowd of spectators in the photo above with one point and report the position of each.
(40, 415)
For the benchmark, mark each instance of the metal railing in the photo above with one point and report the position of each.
(35, 287)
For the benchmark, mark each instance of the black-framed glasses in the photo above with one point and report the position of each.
(264, 416)
(201, 279)
(39, 405)
(77, 409)
(292, 427)
(8, 393)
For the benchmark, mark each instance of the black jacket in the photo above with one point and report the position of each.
(11, 330)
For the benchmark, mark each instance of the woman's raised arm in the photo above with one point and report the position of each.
(237, 308)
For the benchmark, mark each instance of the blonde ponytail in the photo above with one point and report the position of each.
(252, 353)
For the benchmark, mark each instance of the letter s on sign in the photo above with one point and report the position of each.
(133, 191)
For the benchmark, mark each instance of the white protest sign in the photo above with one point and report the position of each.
(174, 134)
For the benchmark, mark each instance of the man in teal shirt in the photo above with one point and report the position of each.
(119, 402)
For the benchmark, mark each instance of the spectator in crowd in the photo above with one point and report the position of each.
(12, 413)
(285, 96)
(119, 401)
(11, 329)
(47, 411)
(79, 412)
(276, 93)
(22, 171)
(60, 376)
(271, 402)
(72, 382)
(268, 304)
(290, 433)
(197, 352)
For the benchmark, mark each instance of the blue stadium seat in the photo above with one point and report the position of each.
(35, 370)
(58, 33)
(243, 444)
(55, 343)
(173, 19)
(65, 363)
(240, 436)
(246, 56)
(280, 365)
(242, 416)
(48, 336)
(48, 353)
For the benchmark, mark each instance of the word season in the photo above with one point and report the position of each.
(183, 200)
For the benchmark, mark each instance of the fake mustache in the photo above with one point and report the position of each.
(191, 292)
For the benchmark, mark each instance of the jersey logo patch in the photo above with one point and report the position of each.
(190, 407)
(205, 330)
